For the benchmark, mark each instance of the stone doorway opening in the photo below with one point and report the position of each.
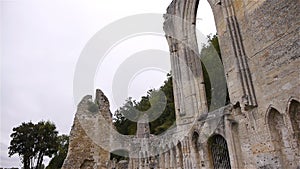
(219, 154)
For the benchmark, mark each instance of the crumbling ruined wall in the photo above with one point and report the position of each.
(259, 42)
(259, 128)
(84, 149)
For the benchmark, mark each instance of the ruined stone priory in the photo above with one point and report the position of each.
(259, 128)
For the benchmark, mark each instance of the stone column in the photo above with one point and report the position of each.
(189, 89)
(161, 160)
(146, 161)
(179, 159)
(185, 162)
(131, 163)
(140, 160)
(172, 158)
(231, 143)
(167, 159)
(184, 153)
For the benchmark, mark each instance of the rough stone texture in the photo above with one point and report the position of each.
(259, 41)
(84, 152)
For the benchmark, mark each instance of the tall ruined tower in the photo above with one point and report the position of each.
(85, 150)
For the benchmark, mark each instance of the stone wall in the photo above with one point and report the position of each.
(259, 128)
(259, 42)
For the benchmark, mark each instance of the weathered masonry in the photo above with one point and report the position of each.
(258, 129)
(259, 42)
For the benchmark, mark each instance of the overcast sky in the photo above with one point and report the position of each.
(40, 44)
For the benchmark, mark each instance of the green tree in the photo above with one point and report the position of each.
(167, 118)
(122, 124)
(58, 159)
(22, 143)
(136, 109)
(46, 141)
(34, 141)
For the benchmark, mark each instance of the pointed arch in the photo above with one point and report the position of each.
(294, 114)
(276, 127)
(196, 149)
(271, 107)
(275, 122)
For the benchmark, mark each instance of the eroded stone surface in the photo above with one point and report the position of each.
(259, 41)
(84, 151)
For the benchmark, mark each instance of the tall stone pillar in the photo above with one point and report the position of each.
(189, 89)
